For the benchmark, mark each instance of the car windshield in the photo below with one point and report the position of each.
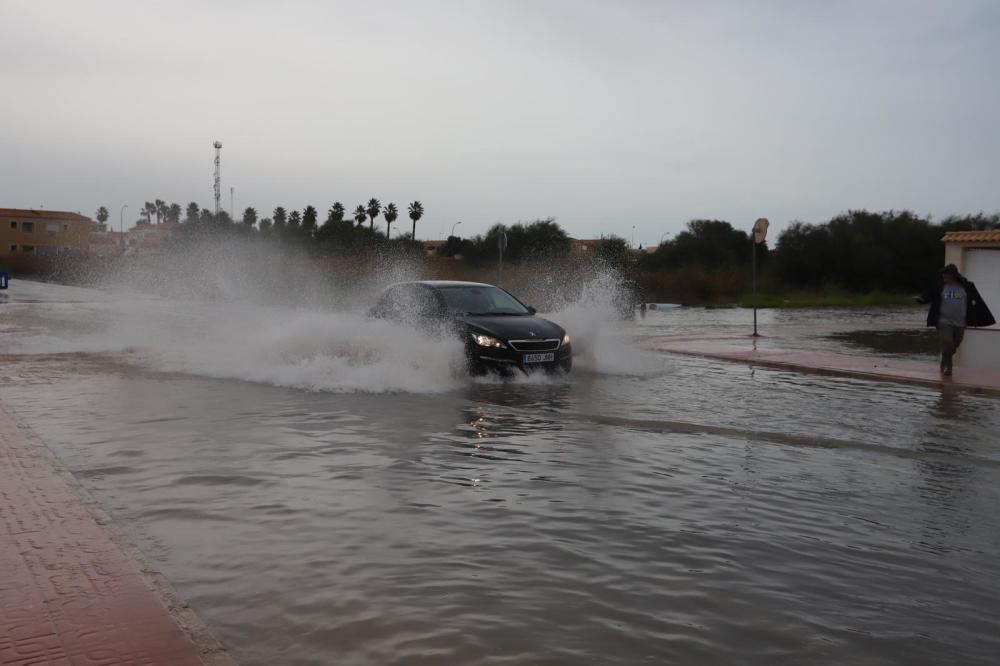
(482, 300)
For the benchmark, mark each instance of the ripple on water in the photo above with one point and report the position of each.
(706, 514)
(219, 480)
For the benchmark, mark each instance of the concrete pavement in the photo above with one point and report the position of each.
(868, 367)
(70, 594)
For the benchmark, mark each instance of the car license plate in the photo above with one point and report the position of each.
(539, 358)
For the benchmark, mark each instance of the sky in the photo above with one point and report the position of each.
(605, 115)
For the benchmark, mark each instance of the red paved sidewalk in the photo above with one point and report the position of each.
(69, 595)
(869, 367)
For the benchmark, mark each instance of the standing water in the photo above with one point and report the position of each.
(327, 489)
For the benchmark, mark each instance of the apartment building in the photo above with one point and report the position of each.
(43, 232)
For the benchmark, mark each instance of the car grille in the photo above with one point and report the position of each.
(551, 344)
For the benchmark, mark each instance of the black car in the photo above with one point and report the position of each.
(499, 331)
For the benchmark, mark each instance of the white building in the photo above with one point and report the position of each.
(977, 255)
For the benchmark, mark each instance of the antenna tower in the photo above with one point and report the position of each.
(218, 174)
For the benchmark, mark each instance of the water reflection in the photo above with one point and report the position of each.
(901, 342)
(947, 476)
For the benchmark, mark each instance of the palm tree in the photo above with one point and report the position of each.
(161, 210)
(192, 213)
(336, 213)
(390, 213)
(294, 220)
(102, 215)
(174, 213)
(309, 216)
(280, 218)
(360, 215)
(250, 217)
(149, 210)
(374, 208)
(416, 212)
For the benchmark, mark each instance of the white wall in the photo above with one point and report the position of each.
(981, 348)
(982, 266)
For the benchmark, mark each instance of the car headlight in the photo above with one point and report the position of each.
(565, 342)
(487, 341)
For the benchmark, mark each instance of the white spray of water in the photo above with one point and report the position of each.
(246, 336)
(298, 348)
(602, 342)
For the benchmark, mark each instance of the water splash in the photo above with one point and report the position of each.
(603, 341)
(220, 321)
(307, 349)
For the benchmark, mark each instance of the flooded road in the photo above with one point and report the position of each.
(322, 491)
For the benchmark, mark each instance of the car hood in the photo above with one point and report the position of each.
(514, 328)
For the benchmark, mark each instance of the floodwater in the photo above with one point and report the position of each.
(324, 490)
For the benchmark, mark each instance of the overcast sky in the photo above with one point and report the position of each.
(602, 114)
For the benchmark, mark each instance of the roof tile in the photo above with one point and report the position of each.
(43, 214)
(972, 236)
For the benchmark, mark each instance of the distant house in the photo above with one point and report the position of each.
(25, 231)
(431, 246)
(583, 247)
(149, 238)
(105, 242)
(977, 255)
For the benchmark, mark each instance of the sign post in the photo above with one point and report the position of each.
(757, 237)
(501, 245)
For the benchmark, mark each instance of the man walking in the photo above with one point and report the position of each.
(955, 303)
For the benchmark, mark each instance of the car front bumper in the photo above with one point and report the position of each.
(495, 358)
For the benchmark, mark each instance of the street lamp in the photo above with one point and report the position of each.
(664, 234)
(453, 228)
(121, 226)
(633, 236)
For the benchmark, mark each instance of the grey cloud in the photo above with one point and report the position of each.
(604, 114)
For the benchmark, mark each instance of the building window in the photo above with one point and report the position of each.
(13, 249)
(51, 228)
(30, 249)
(13, 225)
(28, 227)
(65, 227)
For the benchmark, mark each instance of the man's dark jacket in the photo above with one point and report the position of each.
(976, 311)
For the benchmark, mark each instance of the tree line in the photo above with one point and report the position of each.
(858, 251)
(292, 226)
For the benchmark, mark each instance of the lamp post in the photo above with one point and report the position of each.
(453, 228)
(632, 244)
(757, 237)
(663, 235)
(121, 226)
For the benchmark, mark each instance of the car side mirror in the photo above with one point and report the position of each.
(531, 310)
